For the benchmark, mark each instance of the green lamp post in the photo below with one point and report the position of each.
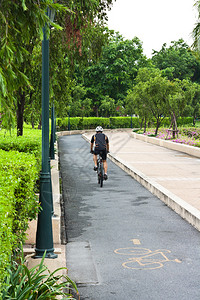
(52, 153)
(44, 235)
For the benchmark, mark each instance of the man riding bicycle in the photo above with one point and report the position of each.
(101, 146)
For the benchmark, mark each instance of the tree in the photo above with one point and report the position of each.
(78, 94)
(116, 70)
(196, 30)
(21, 24)
(152, 92)
(156, 96)
(192, 98)
(178, 61)
(107, 107)
(136, 104)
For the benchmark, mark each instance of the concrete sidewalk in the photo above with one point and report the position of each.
(163, 167)
(59, 248)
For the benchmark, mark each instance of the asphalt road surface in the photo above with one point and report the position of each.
(123, 242)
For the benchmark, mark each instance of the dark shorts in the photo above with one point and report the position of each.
(102, 152)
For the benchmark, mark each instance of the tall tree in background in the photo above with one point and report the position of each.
(178, 61)
(196, 30)
(115, 72)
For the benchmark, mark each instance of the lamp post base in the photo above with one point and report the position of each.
(44, 234)
(39, 253)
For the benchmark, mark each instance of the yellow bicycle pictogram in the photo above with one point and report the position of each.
(143, 258)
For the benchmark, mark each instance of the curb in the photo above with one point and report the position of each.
(59, 248)
(82, 132)
(182, 208)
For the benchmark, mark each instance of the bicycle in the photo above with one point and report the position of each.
(142, 258)
(100, 170)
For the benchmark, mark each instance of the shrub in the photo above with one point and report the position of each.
(28, 144)
(75, 123)
(182, 121)
(124, 122)
(93, 122)
(113, 122)
(6, 236)
(18, 175)
(166, 122)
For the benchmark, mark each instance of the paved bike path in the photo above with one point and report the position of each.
(123, 242)
(173, 176)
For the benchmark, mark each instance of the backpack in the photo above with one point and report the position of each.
(100, 141)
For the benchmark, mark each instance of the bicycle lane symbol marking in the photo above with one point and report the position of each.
(143, 258)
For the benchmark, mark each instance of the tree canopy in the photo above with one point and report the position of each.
(178, 61)
(22, 24)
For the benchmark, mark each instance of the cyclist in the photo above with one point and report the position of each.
(101, 145)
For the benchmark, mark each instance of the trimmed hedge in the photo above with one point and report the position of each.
(20, 164)
(112, 123)
(18, 202)
(181, 121)
(93, 122)
(62, 124)
(123, 122)
(28, 144)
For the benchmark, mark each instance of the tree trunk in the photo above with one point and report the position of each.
(141, 123)
(174, 126)
(20, 113)
(97, 112)
(145, 125)
(32, 121)
(40, 123)
(194, 120)
(157, 126)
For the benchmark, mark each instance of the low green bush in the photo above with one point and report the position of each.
(18, 202)
(113, 122)
(93, 122)
(29, 143)
(124, 122)
(75, 123)
(6, 236)
(166, 122)
(182, 121)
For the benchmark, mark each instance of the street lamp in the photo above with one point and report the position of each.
(52, 154)
(44, 235)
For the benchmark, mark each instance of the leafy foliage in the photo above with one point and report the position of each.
(114, 73)
(93, 122)
(18, 203)
(30, 143)
(178, 61)
(20, 22)
(155, 95)
(36, 283)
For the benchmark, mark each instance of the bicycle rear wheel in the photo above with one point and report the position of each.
(101, 175)
(99, 178)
